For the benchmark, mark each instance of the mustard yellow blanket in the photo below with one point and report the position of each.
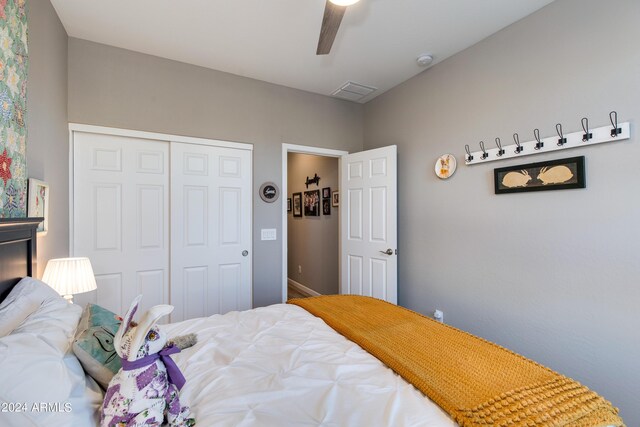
(477, 382)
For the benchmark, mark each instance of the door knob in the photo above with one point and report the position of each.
(245, 253)
(387, 252)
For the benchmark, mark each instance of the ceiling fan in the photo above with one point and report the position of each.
(333, 12)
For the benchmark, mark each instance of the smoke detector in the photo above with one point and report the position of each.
(424, 60)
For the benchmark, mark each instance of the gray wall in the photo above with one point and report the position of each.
(115, 87)
(553, 275)
(313, 240)
(48, 136)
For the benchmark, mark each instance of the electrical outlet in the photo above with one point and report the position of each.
(439, 316)
(299, 269)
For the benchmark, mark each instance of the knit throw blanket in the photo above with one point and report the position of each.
(477, 382)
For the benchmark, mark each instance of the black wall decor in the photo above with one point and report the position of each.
(315, 180)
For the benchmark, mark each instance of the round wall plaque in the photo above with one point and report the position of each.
(445, 166)
(269, 192)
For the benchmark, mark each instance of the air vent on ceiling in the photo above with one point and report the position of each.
(353, 91)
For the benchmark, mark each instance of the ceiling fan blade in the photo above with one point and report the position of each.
(330, 23)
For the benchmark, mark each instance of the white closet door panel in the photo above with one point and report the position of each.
(194, 289)
(230, 218)
(229, 279)
(152, 285)
(210, 229)
(196, 218)
(121, 205)
(106, 214)
(150, 221)
(109, 294)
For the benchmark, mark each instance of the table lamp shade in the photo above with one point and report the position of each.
(70, 276)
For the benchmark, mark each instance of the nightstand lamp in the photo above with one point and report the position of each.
(70, 276)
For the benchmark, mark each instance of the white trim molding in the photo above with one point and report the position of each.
(78, 127)
(302, 288)
(303, 149)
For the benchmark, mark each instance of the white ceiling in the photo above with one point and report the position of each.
(275, 40)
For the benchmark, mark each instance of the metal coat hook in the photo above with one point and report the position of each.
(519, 147)
(562, 139)
(539, 144)
(500, 150)
(484, 152)
(613, 116)
(585, 126)
(469, 156)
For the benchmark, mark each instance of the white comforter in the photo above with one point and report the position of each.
(281, 366)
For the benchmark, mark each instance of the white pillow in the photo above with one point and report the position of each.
(41, 387)
(24, 299)
(40, 372)
(54, 322)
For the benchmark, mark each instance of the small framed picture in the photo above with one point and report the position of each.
(289, 204)
(326, 192)
(38, 203)
(297, 204)
(335, 199)
(326, 206)
(312, 203)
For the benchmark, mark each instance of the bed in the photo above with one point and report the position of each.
(273, 366)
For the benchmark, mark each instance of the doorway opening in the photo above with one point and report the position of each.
(311, 229)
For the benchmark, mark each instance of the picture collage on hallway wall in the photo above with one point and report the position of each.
(13, 108)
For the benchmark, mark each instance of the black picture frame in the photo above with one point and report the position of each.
(335, 199)
(289, 204)
(559, 174)
(297, 204)
(312, 203)
(326, 206)
(326, 192)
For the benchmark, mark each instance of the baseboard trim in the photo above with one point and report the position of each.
(302, 288)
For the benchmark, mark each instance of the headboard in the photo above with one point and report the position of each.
(17, 251)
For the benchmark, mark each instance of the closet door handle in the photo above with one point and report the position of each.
(387, 252)
(245, 252)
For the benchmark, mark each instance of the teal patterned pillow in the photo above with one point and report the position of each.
(93, 344)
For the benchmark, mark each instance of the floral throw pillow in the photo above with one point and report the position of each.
(93, 343)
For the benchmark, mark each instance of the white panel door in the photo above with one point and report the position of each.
(368, 224)
(120, 221)
(210, 230)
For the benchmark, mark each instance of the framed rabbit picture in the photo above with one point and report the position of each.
(560, 174)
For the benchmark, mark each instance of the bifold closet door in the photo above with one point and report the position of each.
(210, 230)
(120, 217)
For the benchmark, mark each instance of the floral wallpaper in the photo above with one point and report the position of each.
(13, 108)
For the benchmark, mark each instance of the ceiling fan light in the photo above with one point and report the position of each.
(344, 2)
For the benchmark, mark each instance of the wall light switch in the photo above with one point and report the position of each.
(268, 234)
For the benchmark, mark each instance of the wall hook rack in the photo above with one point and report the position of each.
(614, 132)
